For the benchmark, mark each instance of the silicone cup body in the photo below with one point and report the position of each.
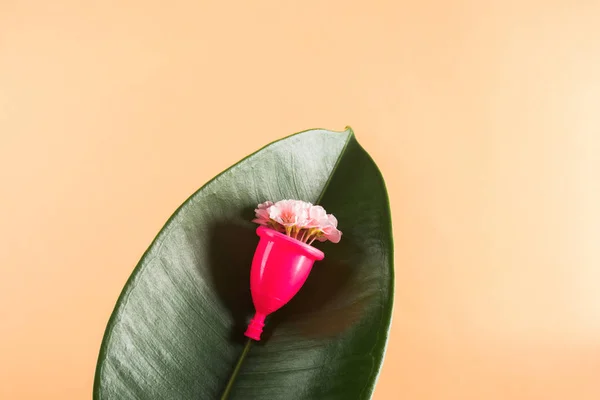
(280, 267)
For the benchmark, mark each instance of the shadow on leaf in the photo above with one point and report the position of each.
(232, 246)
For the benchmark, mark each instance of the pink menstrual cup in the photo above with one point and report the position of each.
(280, 267)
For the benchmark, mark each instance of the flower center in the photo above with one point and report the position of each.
(288, 216)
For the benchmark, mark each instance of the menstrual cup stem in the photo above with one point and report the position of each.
(255, 327)
(236, 370)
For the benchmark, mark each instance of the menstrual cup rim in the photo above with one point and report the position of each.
(309, 251)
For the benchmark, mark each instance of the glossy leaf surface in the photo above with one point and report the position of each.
(177, 329)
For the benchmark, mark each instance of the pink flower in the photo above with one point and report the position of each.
(289, 213)
(299, 219)
(262, 213)
(329, 229)
(316, 215)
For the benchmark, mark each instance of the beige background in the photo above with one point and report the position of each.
(483, 116)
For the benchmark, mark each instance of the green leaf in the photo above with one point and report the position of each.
(177, 329)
